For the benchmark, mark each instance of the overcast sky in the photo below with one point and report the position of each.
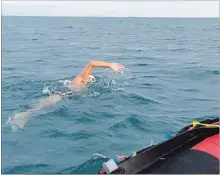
(112, 8)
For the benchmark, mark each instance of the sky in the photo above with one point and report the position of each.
(112, 8)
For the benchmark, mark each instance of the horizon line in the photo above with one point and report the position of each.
(217, 17)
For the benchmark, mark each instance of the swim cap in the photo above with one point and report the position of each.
(66, 82)
(92, 78)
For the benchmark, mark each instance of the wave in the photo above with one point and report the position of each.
(70, 66)
(39, 60)
(29, 168)
(61, 39)
(118, 125)
(79, 135)
(213, 72)
(133, 50)
(148, 84)
(9, 68)
(200, 99)
(93, 47)
(68, 27)
(150, 76)
(168, 39)
(179, 49)
(139, 64)
(129, 122)
(84, 119)
(196, 71)
(90, 166)
(140, 99)
(190, 90)
(9, 50)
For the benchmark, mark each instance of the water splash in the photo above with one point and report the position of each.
(13, 127)
(99, 155)
(64, 82)
(57, 87)
(90, 166)
(126, 74)
(46, 91)
(151, 143)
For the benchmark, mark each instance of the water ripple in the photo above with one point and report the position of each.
(140, 99)
(29, 168)
(79, 135)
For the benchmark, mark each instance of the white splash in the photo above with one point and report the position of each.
(46, 91)
(99, 155)
(66, 82)
(113, 82)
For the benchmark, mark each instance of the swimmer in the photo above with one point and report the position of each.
(77, 85)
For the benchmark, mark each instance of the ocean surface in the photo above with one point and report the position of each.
(171, 78)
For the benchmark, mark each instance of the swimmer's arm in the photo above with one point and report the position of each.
(100, 64)
(84, 75)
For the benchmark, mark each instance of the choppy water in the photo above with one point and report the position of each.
(172, 79)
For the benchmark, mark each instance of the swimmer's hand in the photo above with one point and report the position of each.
(117, 67)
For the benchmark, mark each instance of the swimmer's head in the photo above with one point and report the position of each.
(91, 79)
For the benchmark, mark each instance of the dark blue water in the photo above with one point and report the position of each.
(171, 80)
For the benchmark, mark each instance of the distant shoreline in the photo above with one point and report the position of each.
(115, 17)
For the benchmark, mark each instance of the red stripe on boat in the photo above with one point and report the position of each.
(210, 145)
